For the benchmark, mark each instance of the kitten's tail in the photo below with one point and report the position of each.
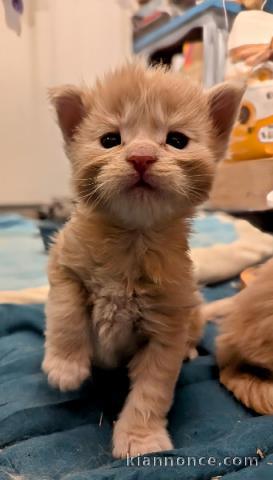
(254, 392)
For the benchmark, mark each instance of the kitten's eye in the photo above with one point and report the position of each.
(177, 140)
(110, 140)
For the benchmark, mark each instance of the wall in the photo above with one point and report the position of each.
(53, 42)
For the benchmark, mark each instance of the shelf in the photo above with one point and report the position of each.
(177, 27)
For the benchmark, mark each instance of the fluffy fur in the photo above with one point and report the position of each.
(245, 343)
(121, 283)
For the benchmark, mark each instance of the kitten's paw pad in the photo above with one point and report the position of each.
(65, 374)
(132, 443)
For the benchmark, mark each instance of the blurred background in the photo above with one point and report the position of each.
(45, 43)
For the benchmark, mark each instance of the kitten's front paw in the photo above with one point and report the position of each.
(65, 374)
(133, 442)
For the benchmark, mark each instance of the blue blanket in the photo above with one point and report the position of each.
(45, 434)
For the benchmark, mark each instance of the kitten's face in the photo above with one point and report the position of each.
(143, 143)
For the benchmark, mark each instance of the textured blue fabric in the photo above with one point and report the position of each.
(45, 434)
(22, 257)
(208, 229)
(268, 6)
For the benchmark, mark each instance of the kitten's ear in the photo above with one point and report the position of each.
(70, 106)
(224, 101)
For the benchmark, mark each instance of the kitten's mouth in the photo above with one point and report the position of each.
(142, 184)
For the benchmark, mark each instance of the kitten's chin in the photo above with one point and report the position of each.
(142, 209)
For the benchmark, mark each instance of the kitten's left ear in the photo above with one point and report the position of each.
(224, 101)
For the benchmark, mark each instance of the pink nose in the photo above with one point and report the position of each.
(141, 162)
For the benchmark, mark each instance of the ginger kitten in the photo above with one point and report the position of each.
(142, 144)
(245, 343)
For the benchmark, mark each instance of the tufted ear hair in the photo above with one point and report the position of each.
(71, 108)
(223, 102)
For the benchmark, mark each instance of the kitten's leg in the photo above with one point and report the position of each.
(68, 347)
(196, 327)
(141, 427)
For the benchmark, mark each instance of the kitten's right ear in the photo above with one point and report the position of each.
(70, 107)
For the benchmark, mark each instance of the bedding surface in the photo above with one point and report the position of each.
(48, 435)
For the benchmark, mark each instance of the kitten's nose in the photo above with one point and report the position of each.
(141, 162)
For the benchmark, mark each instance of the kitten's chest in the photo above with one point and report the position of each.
(124, 283)
(116, 322)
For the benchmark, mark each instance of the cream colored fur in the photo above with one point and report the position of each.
(245, 343)
(121, 284)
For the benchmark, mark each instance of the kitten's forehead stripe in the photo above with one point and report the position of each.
(134, 96)
(133, 82)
